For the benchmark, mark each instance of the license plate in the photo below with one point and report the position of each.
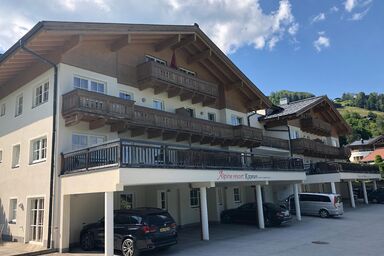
(165, 229)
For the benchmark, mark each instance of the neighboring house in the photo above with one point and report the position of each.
(370, 158)
(309, 129)
(362, 148)
(95, 118)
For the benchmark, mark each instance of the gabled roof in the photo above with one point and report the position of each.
(295, 109)
(50, 37)
(370, 141)
(372, 155)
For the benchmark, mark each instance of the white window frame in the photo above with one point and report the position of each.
(162, 104)
(40, 97)
(89, 84)
(19, 105)
(88, 140)
(132, 203)
(193, 112)
(125, 94)
(194, 198)
(3, 109)
(40, 211)
(187, 71)
(155, 59)
(239, 120)
(14, 163)
(41, 150)
(12, 210)
(236, 195)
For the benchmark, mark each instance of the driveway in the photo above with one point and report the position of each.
(358, 232)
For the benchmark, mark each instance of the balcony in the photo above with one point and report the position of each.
(138, 154)
(335, 167)
(316, 126)
(309, 147)
(275, 143)
(121, 115)
(176, 83)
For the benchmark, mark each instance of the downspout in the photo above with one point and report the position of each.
(52, 173)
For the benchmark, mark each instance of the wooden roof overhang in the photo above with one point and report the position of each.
(52, 39)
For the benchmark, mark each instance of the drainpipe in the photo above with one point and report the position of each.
(52, 173)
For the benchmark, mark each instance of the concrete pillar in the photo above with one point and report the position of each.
(374, 185)
(260, 213)
(333, 187)
(108, 224)
(65, 214)
(204, 213)
(365, 192)
(351, 196)
(297, 202)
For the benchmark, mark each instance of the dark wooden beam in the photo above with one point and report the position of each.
(209, 101)
(199, 56)
(186, 96)
(183, 137)
(197, 98)
(214, 73)
(234, 86)
(167, 135)
(167, 43)
(118, 127)
(120, 43)
(174, 92)
(98, 123)
(184, 42)
(145, 85)
(154, 133)
(196, 138)
(160, 89)
(138, 131)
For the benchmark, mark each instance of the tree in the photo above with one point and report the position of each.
(379, 162)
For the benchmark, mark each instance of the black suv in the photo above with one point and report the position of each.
(135, 230)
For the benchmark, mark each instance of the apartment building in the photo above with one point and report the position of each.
(97, 117)
(309, 129)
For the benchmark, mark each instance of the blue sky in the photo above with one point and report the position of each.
(320, 46)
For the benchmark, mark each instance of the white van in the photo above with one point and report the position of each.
(319, 204)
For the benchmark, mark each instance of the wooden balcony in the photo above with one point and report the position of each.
(175, 83)
(275, 143)
(121, 115)
(309, 147)
(334, 167)
(138, 154)
(316, 126)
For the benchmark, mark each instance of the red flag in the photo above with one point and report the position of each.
(173, 61)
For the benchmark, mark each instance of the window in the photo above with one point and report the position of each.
(2, 110)
(162, 199)
(39, 149)
(236, 120)
(16, 156)
(190, 111)
(127, 201)
(1, 156)
(151, 58)
(19, 105)
(82, 141)
(236, 195)
(37, 220)
(41, 94)
(88, 84)
(212, 117)
(186, 71)
(12, 210)
(158, 104)
(125, 95)
(194, 197)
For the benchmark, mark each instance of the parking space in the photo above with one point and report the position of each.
(355, 233)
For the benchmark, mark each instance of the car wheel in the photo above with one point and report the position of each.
(324, 213)
(226, 219)
(87, 242)
(128, 248)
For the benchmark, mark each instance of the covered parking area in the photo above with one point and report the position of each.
(87, 197)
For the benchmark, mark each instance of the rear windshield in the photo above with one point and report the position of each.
(159, 219)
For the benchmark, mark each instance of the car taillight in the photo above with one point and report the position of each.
(173, 225)
(148, 229)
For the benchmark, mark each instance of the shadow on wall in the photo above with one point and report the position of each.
(4, 226)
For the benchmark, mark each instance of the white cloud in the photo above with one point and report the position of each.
(231, 24)
(322, 42)
(349, 5)
(334, 9)
(359, 15)
(319, 17)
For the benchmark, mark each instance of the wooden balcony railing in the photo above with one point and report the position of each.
(309, 147)
(154, 74)
(334, 167)
(275, 142)
(316, 126)
(137, 154)
(81, 105)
